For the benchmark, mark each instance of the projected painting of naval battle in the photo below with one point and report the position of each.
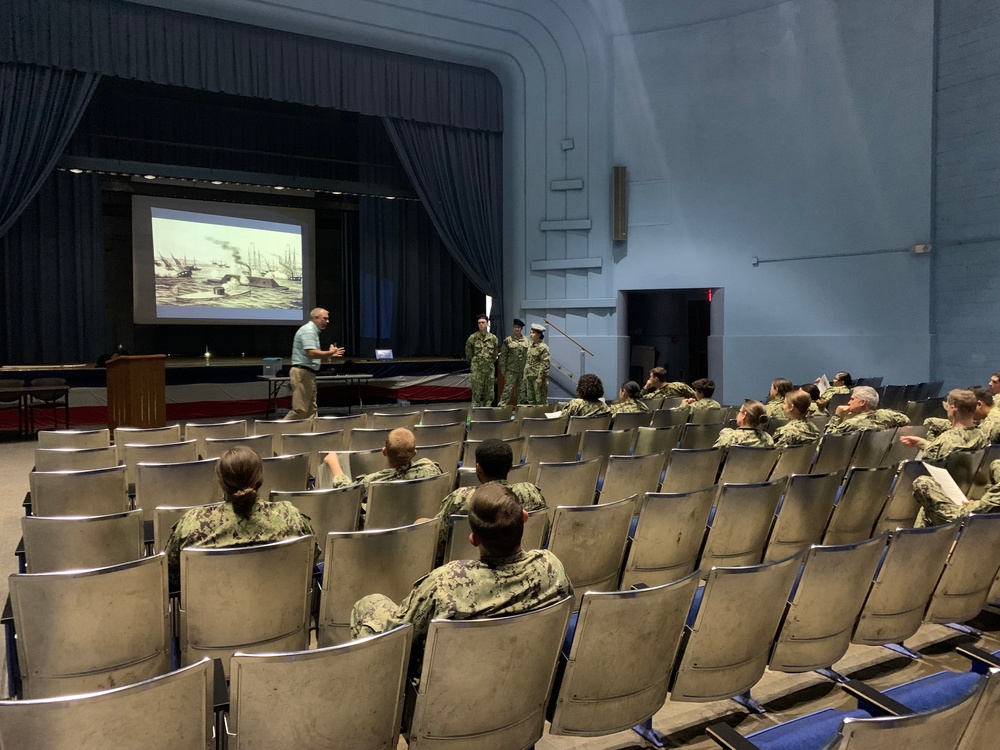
(200, 260)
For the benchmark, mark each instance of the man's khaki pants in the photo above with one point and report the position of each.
(303, 382)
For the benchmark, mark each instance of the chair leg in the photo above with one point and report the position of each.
(831, 675)
(646, 731)
(964, 629)
(899, 648)
(749, 703)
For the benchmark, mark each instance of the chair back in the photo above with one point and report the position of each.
(551, 448)
(773, 423)
(276, 697)
(59, 395)
(446, 455)
(368, 438)
(75, 459)
(165, 518)
(903, 584)
(820, 420)
(157, 453)
(490, 413)
(340, 422)
(522, 473)
(795, 459)
(578, 424)
(656, 440)
(603, 444)
(402, 501)
(804, 513)
(865, 494)
(568, 482)
(336, 509)
(80, 631)
(168, 712)
(691, 469)
(670, 417)
(77, 542)
(381, 561)
(816, 630)
(589, 540)
(92, 492)
(536, 532)
(13, 398)
(622, 654)
(982, 479)
(262, 445)
(971, 569)
(668, 537)
(901, 509)
(899, 452)
(727, 651)
(700, 435)
(469, 450)
(531, 411)
(657, 402)
(146, 436)
(962, 465)
(199, 431)
(835, 450)
(837, 399)
(498, 429)
(314, 443)
(437, 434)
(543, 426)
(631, 475)
(444, 416)
(920, 409)
(285, 474)
(746, 464)
(708, 416)
(254, 599)
(743, 516)
(355, 464)
(393, 420)
(74, 438)
(448, 706)
(631, 420)
(276, 428)
(185, 483)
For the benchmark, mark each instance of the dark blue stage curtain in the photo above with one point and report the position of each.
(52, 271)
(408, 284)
(39, 110)
(116, 38)
(458, 174)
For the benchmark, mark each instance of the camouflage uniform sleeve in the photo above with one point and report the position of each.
(180, 537)
(936, 507)
(838, 425)
(530, 496)
(935, 426)
(470, 348)
(543, 360)
(726, 438)
(454, 504)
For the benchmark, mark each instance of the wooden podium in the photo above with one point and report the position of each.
(137, 391)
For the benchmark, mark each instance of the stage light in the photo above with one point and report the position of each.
(278, 187)
(336, 192)
(216, 182)
(74, 170)
(149, 176)
(390, 197)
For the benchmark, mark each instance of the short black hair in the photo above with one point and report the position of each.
(982, 394)
(705, 385)
(495, 458)
(495, 515)
(631, 388)
(483, 316)
(589, 387)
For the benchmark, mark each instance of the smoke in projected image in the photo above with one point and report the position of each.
(199, 262)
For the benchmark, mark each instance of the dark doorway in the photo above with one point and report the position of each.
(670, 329)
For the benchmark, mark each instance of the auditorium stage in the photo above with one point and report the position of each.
(207, 387)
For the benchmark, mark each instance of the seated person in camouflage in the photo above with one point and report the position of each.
(994, 384)
(657, 386)
(504, 580)
(628, 400)
(242, 520)
(494, 460)
(399, 450)
(937, 508)
(862, 413)
(963, 434)
(984, 408)
(704, 390)
(775, 407)
(799, 429)
(589, 390)
(813, 393)
(842, 383)
(749, 430)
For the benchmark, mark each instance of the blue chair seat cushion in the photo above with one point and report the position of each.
(808, 732)
(935, 690)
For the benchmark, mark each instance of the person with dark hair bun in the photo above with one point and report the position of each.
(704, 389)
(780, 387)
(812, 390)
(628, 399)
(241, 520)
(589, 390)
(842, 383)
(750, 423)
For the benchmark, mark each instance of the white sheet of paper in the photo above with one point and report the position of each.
(553, 414)
(823, 383)
(948, 485)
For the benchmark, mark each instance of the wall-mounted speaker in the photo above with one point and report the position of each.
(619, 205)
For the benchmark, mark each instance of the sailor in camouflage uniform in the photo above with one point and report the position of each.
(963, 434)
(494, 459)
(536, 368)
(241, 520)
(842, 383)
(775, 407)
(513, 353)
(399, 450)
(481, 351)
(657, 386)
(504, 580)
(862, 413)
(798, 429)
(705, 389)
(937, 508)
(628, 400)
(589, 389)
(750, 422)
